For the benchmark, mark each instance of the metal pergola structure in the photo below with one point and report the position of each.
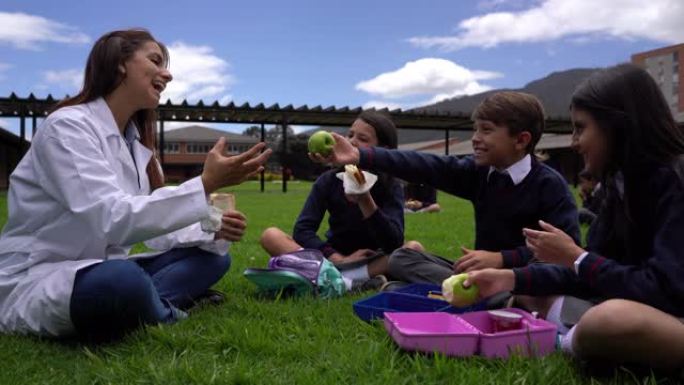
(33, 108)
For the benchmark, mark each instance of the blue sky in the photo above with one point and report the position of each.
(359, 53)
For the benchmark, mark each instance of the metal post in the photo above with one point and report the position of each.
(161, 142)
(22, 133)
(284, 153)
(33, 124)
(446, 142)
(263, 139)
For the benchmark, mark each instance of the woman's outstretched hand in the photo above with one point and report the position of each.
(343, 152)
(221, 170)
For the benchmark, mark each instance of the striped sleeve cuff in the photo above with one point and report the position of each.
(589, 267)
(578, 261)
(511, 258)
(523, 280)
(366, 157)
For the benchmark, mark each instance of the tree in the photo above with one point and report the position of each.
(297, 159)
(275, 134)
(253, 131)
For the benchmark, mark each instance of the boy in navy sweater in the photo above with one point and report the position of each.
(509, 189)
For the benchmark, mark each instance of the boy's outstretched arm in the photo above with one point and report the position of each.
(457, 176)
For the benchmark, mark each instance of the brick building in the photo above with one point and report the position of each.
(186, 148)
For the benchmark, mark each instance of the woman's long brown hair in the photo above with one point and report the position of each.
(102, 76)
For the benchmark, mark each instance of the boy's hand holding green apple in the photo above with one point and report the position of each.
(341, 153)
(456, 293)
(321, 142)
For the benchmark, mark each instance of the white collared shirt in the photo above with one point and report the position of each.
(518, 170)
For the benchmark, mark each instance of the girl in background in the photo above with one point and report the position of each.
(363, 229)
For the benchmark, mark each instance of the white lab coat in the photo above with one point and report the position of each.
(75, 200)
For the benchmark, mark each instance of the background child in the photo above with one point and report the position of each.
(592, 197)
(364, 228)
(420, 198)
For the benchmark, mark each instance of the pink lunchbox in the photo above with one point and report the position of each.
(477, 333)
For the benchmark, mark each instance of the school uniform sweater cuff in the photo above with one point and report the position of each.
(511, 258)
(518, 257)
(523, 280)
(366, 157)
(589, 268)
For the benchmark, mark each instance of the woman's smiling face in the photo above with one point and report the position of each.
(146, 75)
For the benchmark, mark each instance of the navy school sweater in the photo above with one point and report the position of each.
(499, 217)
(348, 231)
(638, 258)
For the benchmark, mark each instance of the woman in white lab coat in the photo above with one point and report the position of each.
(90, 187)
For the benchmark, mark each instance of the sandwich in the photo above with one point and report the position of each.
(355, 174)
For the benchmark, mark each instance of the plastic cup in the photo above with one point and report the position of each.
(222, 201)
(503, 320)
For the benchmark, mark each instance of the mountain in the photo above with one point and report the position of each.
(554, 90)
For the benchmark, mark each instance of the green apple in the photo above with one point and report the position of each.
(321, 142)
(457, 294)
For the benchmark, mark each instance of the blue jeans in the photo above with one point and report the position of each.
(116, 296)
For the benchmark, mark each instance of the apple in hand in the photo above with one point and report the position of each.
(458, 295)
(321, 142)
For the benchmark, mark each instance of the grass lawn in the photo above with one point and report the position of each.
(294, 341)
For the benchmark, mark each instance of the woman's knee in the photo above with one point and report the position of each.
(112, 286)
(211, 264)
(121, 278)
(221, 263)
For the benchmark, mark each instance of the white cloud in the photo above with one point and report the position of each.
(25, 31)
(197, 74)
(70, 80)
(380, 104)
(472, 89)
(437, 78)
(657, 20)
